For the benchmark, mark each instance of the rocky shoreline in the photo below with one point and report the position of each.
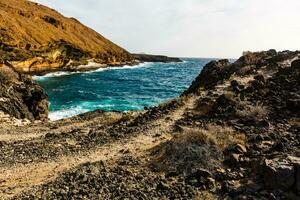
(234, 134)
(155, 58)
(62, 56)
(90, 65)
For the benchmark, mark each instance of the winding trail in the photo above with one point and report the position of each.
(18, 178)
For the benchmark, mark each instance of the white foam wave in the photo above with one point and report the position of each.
(123, 67)
(91, 64)
(66, 113)
(52, 75)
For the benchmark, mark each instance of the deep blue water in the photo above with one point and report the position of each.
(121, 89)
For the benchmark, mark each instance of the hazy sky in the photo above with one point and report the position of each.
(195, 28)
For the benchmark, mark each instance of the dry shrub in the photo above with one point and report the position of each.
(257, 112)
(194, 148)
(185, 152)
(225, 136)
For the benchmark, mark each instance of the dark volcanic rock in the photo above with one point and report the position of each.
(155, 58)
(258, 95)
(279, 174)
(101, 180)
(216, 72)
(20, 97)
(212, 74)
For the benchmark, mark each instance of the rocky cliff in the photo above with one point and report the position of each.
(20, 97)
(234, 134)
(38, 39)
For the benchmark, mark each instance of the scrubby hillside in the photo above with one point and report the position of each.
(234, 134)
(30, 30)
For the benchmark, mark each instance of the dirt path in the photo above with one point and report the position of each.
(19, 178)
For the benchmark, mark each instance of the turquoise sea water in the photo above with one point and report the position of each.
(120, 88)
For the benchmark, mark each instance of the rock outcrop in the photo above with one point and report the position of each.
(20, 97)
(212, 74)
(39, 39)
(155, 58)
(259, 96)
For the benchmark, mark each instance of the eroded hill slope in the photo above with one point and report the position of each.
(48, 40)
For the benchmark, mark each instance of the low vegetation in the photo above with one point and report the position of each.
(194, 148)
(257, 111)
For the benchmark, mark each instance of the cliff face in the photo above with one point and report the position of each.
(20, 97)
(47, 40)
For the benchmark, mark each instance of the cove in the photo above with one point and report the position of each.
(118, 89)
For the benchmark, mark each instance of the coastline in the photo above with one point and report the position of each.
(139, 98)
(90, 65)
(238, 123)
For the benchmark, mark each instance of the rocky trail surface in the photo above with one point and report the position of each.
(234, 134)
(48, 150)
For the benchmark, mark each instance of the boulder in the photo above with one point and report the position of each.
(296, 162)
(235, 86)
(239, 148)
(295, 63)
(279, 174)
(260, 78)
(234, 153)
(201, 178)
(212, 74)
(293, 104)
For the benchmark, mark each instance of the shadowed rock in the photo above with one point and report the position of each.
(20, 97)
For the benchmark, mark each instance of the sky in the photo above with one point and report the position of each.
(190, 28)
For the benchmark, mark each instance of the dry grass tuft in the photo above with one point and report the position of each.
(207, 195)
(195, 148)
(225, 136)
(294, 121)
(257, 112)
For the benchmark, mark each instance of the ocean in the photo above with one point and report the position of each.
(118, 88)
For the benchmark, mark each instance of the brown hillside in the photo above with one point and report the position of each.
(26, 28)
